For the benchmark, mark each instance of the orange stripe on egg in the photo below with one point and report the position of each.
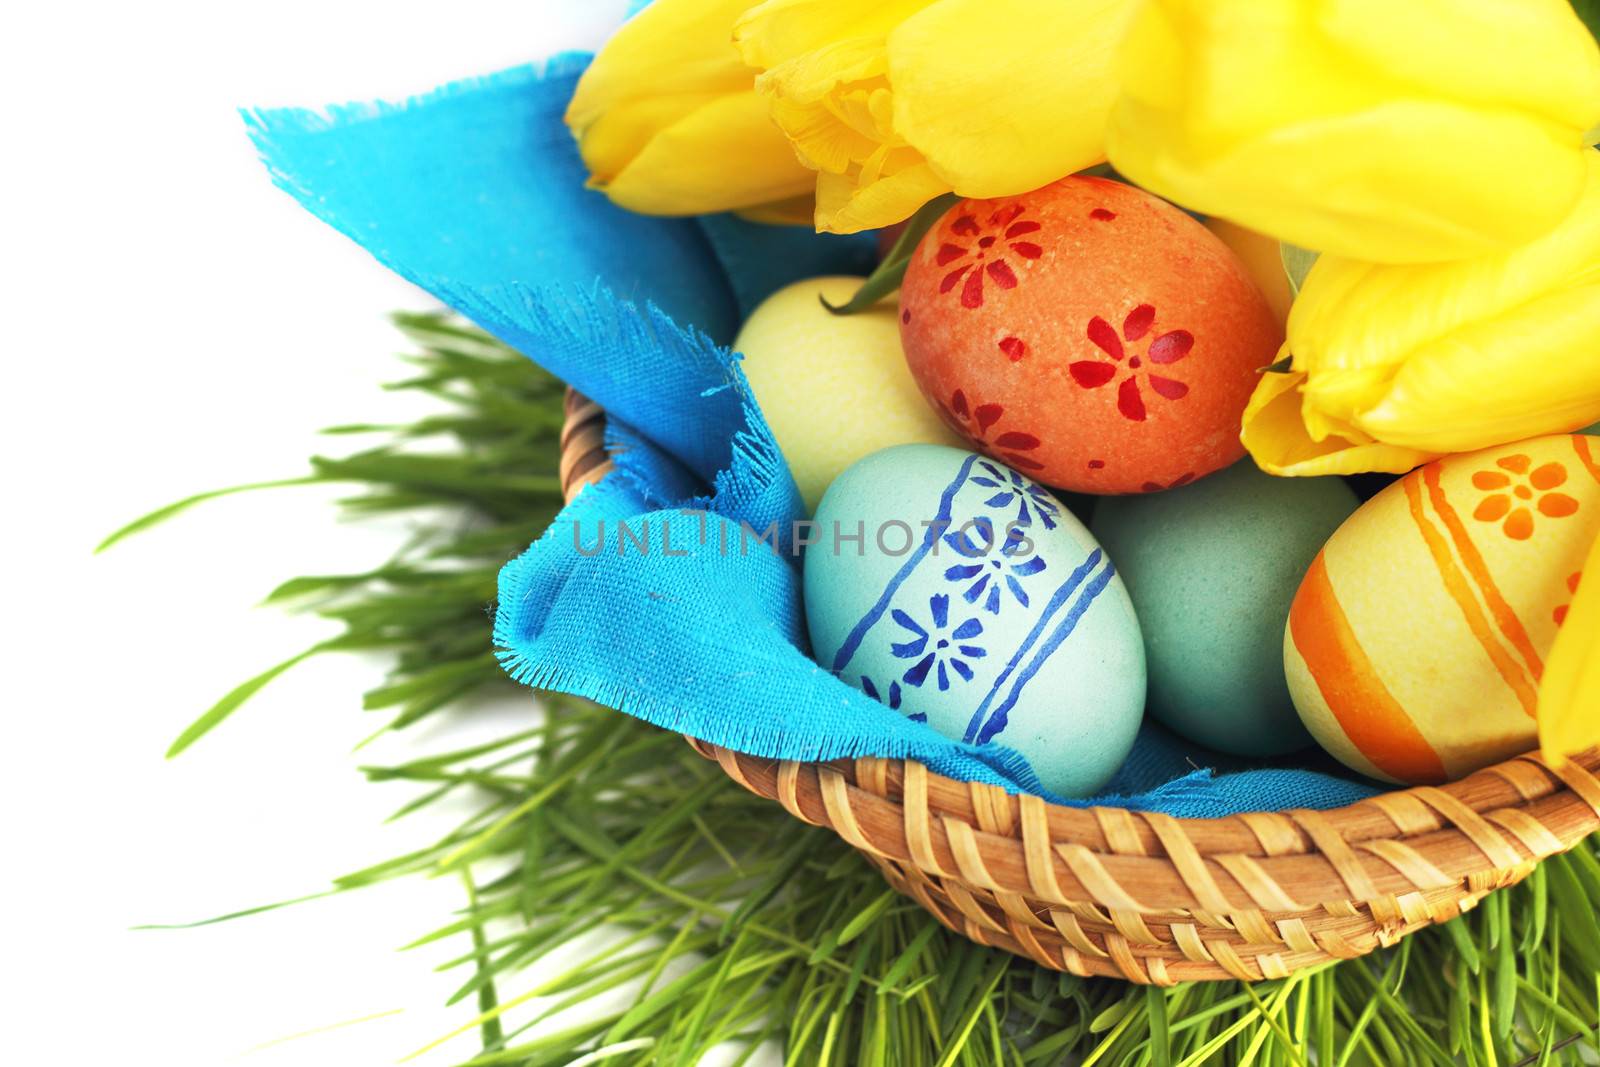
(1581, 444)
(1504, 615)
(1367, 711)
(1460, 589)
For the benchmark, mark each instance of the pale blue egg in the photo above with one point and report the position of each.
(954, 589)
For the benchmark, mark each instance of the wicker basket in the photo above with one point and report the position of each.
(1150, 898)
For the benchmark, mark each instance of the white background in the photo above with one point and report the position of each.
(174, 323)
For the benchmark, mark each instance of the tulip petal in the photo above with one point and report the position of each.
(1404, 182)
(668, 121)
(922, 97)
(669, 49)
(775, 32)
(1275, 434)
(1545, 61)
(723, 156)
(813, 126)
(823, 68)
(1004, 96)
(844, 206)
(1341, 127)
(611, 138)
(1526, 373)
(1569, 695)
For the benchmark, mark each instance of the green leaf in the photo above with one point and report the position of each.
(1160, 1039)
(1505, 975)
(234, 699)
(1297, 263)
(162, 514)
(864, 919)
(242, 913)
(886, 279)
(488, 1002)
(1461, 936)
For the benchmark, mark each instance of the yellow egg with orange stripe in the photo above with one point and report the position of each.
(1417, 640)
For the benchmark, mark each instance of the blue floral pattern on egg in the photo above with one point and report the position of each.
(1002, 623)
(1009, 563)
(945, 655)
(1012, 487)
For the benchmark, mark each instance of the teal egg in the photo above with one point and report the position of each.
(958, 591)
(1212, 569)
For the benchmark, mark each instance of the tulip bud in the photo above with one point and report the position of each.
(1395, 365)
(668, 121)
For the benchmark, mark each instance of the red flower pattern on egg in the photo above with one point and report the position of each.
(1165, 349)
(979, 257)
(1191, 349)
(974, 421)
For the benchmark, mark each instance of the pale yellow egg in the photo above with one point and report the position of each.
(1417, 641)
(833, 388)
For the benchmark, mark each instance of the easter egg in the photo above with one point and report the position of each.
(974, 601)
(1212, 568)
(1087, 333)
(833, 388)
(1417, 640)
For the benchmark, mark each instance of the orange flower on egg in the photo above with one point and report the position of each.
(1515, 493)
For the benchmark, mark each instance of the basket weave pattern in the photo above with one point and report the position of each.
(1150, 898)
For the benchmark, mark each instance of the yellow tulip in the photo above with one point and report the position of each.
(1392, 131)
(894, 102)
(669, 123)
(1394, 365)
(1569, 696)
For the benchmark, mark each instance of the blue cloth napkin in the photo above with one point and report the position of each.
(475, 192)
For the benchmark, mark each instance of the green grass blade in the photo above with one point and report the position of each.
(233, 700)
(162, 514)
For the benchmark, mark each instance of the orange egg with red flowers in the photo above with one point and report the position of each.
(1087, 333)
